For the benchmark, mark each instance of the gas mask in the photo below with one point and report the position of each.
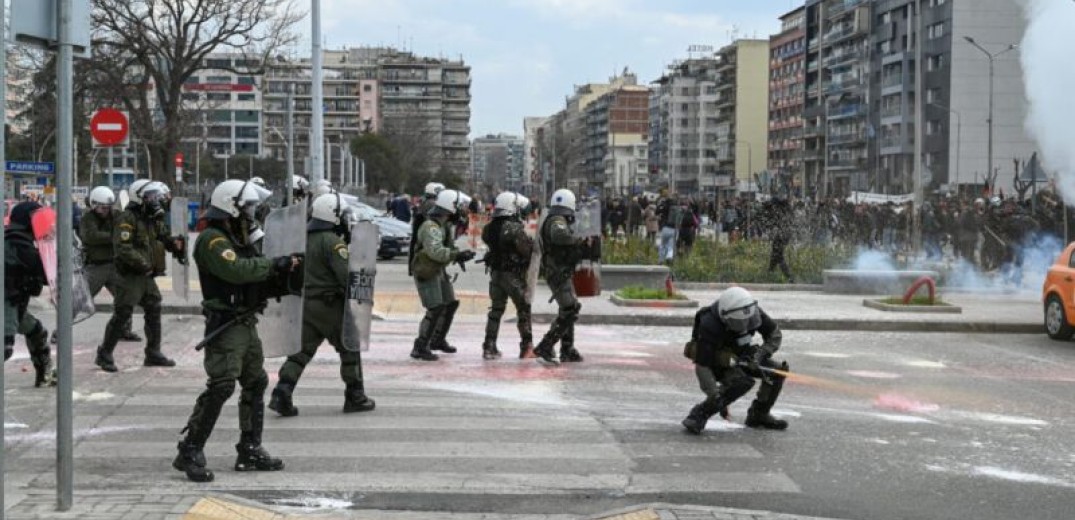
(151, 204)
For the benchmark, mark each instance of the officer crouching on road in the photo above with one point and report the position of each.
(236, 283)
(561, 251)
(95, 231)
(723, 353)
(434, 250)
(508, 260)
(24, 277)
(326, 275)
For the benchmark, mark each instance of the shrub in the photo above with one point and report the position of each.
(636, 292)
(742, 261)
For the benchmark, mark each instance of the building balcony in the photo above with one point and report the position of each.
(840, 58)
(839, 8)
(845, 163)
(845, 111)
(848, 138)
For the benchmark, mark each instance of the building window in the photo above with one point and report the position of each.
(246, 116)
(935, 31)
(935, 3)
(247, 97)
(217, 63)
(367, 88)
(246, 132)
(933, 127)
(247, 80)
(933, 95)
(190, 96)
(220, 116)
(935, 62)
(218, 96)
(218, 79)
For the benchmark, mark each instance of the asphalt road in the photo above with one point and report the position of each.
(883, 426)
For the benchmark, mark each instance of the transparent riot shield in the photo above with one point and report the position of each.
(43, 223)
(362, 275)
(587, 278)
(181, 270)
(280, 328)
(533, 230)
(81, 300)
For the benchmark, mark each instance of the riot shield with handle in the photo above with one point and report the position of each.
(280, 328)
(587, 278)
(361, 277)
(533, 230)
(180, 269)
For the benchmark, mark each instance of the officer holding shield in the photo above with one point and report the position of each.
(327, 258)
(95, 231)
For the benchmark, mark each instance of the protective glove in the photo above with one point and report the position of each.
(283, 264)
(465, 256)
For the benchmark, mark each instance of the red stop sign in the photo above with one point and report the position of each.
(109, 127)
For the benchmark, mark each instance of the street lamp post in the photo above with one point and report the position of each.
(959, 139)
(992, 57)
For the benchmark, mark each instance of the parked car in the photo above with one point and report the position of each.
(395, 234)
(1058, 295)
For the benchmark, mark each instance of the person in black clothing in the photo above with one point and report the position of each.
(727, 363)
(779, 236)
(24, 277)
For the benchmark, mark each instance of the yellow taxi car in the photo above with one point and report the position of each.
(1058, 295)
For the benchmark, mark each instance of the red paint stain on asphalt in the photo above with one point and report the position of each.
(902, 403)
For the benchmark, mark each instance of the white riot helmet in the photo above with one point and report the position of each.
(329, 208)
(235, 197)
(521, 202)
(562, 198)
(506, 204)
(134, 191)
(451, 201)
(738, 310)
(322, 187)
(433, 188)
(101, 196)
(259, 181)
(299, 183)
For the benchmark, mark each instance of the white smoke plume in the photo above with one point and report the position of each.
(1049, 79)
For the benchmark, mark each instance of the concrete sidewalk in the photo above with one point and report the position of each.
(216, 506)
(1018, 313)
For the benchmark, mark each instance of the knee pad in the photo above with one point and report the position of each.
(221, 391)
(495, 313)
(260, 384)
(571, 312)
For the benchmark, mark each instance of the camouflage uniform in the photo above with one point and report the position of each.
(508, 260)
(433, 252)
(561, 252)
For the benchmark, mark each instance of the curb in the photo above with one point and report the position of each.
(654, 304)
(660, 508)
(820, 324)
(720, 286)
(925, 309)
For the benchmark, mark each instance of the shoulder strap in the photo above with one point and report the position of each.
(697, 321)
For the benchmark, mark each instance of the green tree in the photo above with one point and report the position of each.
(382, 160)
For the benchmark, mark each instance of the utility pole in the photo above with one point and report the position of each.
(3, 189)
(65, 467)
(317, 121)
(920, 98)
(290, 143)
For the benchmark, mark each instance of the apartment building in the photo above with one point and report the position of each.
(371, 89)
(683, 128)
(497, 163)
(615, 141)
(743, 104)
(533, 165)
(787, 79)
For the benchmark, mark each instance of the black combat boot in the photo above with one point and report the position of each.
(443, 346)
(568, 354)
(280, 402)
(44, 374)
(191, 460)
(154, 357)
(104, 359)
(41, 357)
(490, 352)
(130, 335)
(355, 400)
(696, 420)
(421, 350)
(253, 457)
(545, 352)
(759, 417)
(526, 351)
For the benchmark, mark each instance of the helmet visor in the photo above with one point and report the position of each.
(742, 319)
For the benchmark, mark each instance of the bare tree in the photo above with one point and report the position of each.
(144, 51)
(417, 145)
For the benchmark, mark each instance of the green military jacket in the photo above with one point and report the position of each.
(162, 244)
(327, 259)
(433, 250)
(225, 262)
(560, 248)
(133, 239)
(95, 232)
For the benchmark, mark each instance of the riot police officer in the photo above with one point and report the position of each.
(429, 199)
(508, 259)
(433, 251)
(95, 231)
(726, 361)
(326, 275)
(561, 251)
(135, 233)
(236, 282)
(24, 277)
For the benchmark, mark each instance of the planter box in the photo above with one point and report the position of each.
(846, 281)
(616, 277)
(929, 309)
(655, 304)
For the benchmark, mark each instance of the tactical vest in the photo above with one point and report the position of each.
(21, 280)
(238, 297)
(558, 256)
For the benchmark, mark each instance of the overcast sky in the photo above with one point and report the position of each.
(526, 55)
